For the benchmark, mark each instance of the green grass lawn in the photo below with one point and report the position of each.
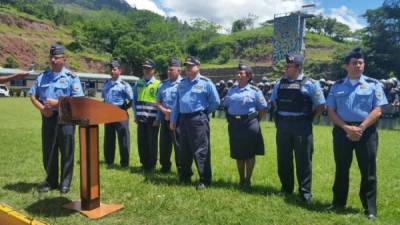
(160, 199)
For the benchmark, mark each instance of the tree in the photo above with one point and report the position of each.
(244, 23)
(382, 40)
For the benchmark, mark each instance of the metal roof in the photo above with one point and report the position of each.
(82, 76)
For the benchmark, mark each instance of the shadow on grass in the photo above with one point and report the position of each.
(21, 187)
(316, 205)
(50, 207)
(140, 171)
(171, 179)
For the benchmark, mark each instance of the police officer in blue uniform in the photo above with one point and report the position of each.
(167, 93)
(245, 106)
(119, 93)
(297, 100)
(49, 86)
(354, 106)
(197, 97)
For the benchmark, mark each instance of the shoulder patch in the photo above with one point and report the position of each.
(71, 74)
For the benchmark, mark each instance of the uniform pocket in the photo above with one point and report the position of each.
(363, 100)
(61, 90)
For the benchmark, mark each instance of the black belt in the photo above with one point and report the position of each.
(192, 114)
(244, 117)
(353, 123)
(292, 118)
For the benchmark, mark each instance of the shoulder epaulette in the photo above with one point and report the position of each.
(69, 73)
(339, 81)
(310, 79)
(124, 82)
(254, 88)
(371, 80)
(204, 78)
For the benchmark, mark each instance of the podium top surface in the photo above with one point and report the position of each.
(85, 111)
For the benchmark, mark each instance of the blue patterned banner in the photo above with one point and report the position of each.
(288, 35)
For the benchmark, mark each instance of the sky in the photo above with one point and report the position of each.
(225, 12)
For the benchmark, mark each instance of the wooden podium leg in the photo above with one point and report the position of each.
(90, 179)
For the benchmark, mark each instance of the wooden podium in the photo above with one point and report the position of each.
(88, 114)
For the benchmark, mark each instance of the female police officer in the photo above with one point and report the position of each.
(245, 105)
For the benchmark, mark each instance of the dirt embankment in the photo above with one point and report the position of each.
(27, 41)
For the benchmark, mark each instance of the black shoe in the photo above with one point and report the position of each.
(285, 192)
(306, 199)
(124, 166)
(110, 166)
(371, 216)
(45, 187)
(185, 180)
(165, 169)
(334, 208)
(64, 190)
(148, 169)
(201, 186)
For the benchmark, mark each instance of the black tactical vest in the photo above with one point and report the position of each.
(291, 99)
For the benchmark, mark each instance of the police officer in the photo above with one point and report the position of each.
(145, 110)
(166, 96)
(354, 105)
(119, 93)
(197, 97)
(49, 86)
(297, 100)
(245, 105)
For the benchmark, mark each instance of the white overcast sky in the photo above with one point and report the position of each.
(224, 12)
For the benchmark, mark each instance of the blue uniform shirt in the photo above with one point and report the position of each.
(243, 101)
(54, 85)
(195, 95)
(354, 103)
(312, 89)
(167, 93)
(116, 92)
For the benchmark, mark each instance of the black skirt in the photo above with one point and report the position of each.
(245, 138)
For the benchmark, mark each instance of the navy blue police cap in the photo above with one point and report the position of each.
(114, 63)
(354, 53)
(149, 63)
(56, 49)
(191, 60)
(174, 62)
(245, 68)
(294, 58)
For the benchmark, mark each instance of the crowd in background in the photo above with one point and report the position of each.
(390, 113)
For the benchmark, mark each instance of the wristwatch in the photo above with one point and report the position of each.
(362, 127)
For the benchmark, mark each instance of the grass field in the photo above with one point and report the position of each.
(160, 199)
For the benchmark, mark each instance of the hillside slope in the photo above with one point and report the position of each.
(27, 39)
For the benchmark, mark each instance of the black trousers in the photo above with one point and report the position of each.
(168, 138)
(147, 140)
(366, 150)
(122, 130)
(194, 143)
(57, 137)
(294, 136)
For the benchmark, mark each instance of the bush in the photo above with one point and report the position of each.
(11, 62)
